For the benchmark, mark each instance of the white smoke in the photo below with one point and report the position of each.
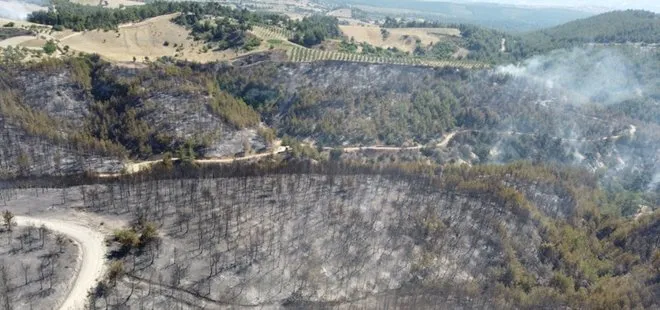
(18, 10)
(586, 75)
(655, 182)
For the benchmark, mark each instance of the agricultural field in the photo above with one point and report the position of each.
(272, 33)
(150, 39)
(404, 39)
(301, 54)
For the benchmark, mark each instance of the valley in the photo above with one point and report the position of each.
(319, 155)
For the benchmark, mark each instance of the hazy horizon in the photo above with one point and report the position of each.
(591, 5)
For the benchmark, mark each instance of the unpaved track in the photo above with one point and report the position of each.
(131, 168)
(91, 257)
(443, 143)
(279, 150)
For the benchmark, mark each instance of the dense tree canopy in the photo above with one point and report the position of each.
(485, 44)
(315, 29)
(83, 17)
(613, 27)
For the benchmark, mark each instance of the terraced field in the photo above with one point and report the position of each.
(279, 38)
(272, 33)
(301, 54)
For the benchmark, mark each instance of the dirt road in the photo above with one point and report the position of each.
(279, 150)
(91, 257)
(131, 168)
(443, 143)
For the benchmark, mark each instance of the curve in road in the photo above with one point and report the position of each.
(131, 168)
(91, 257)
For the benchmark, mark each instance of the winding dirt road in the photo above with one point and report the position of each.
(135, 167)
(91, 257)
(229, 160)
(352, 149)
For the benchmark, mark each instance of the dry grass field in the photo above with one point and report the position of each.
(341, 13)
(16, 41)
(109, 3)
(42, 33)
(34, 42)
(159, 36)
(20, 23)
(142, 40)
(402, 38)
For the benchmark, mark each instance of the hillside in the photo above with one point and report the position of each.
(84, 108)
(632, 26)
(36, 267)
(6, 33)
(613, 27)
(150, 39)
(331, 235)
(492, 46)
(189, 110)
(404, 39)
(559, 108)
(207, 32)
(313, 171)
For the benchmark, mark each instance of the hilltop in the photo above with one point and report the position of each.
(631, 26)
(493, 46)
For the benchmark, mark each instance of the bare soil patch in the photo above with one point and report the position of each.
(109, 3)
(402, 38)
(343, 13)
(152, 38)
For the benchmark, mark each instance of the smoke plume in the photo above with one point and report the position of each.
(19, 10)
(590, 75)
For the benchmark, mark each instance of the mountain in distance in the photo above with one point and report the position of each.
(630, 26)
(580, 5)
(615, 26)
(499, 16)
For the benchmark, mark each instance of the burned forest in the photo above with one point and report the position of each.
(312, 155)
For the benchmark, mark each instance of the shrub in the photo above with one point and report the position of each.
(128, 238)
(50, 47)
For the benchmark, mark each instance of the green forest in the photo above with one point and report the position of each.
(84, 17)
(220, 25)
(315, 29)
(631, 26)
